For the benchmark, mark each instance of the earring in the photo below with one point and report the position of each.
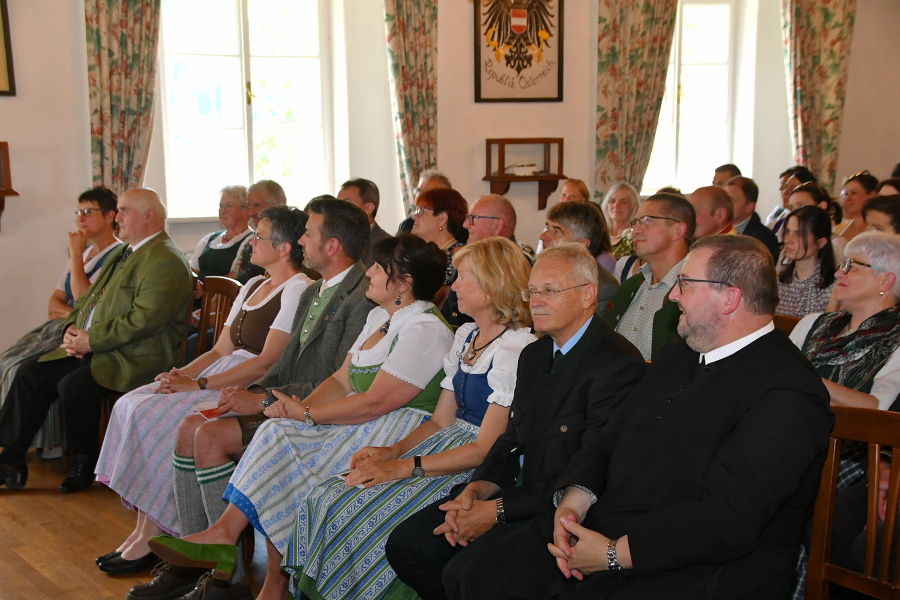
(440, 228)
(398, 302)
(881, 293)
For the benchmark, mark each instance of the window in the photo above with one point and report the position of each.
(243, 88)
(694, 133)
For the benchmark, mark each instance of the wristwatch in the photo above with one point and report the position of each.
(611, 558)
(418, 471)
(307, 418)
(201, 382)
(501, 512)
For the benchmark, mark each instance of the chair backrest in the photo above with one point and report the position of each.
(880, 578)
(785, 323)
(215, 303)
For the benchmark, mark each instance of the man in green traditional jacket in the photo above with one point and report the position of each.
(119, 335)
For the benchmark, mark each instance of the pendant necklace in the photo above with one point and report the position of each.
(473, 351)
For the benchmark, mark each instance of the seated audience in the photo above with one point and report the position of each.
(574, 190)
(330, 315)
(136, 457)
(260, 196)
(569, 385)
(713, 211)
(337, 549)
(440, 218)
(428, 180)
(89, 247)
(725, 173)
(217, 253)
(858, 189)
(122, 332)
(641, 310)
(704, 486)
(806, 281)
(788, 180)
(583, 223)
(619, 206)
(364, 194)
(813, 194)
(882, 213)
(744, 193)
(386, 387)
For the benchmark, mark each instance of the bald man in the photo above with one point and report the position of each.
(125, 330)
(713, 209)
(491, 215)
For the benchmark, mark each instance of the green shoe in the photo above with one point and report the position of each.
(221, 558)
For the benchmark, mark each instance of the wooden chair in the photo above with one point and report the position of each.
(879, 579)
(785, 323)
(215, 303)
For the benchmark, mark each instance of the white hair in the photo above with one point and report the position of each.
(881, 250)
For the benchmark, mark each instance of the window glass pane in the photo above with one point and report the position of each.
(283, 27)
(294, 158)
(701, 147)
(704, 93)
(204, 91)
(661, 170)
(706, 32)
(200, 26)
(286, 92)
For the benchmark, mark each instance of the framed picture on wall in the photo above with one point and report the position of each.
(7, 81)
(518, 50)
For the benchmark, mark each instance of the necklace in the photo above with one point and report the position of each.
(473, 350)
(384, 328)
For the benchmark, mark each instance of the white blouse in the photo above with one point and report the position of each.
(88, 264)
(290, 298)
(422, 341)
(501, 357)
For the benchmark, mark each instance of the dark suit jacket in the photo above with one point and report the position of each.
(713, 473)
(665, 320)
(140, 307)
(756, 229)
(552, 414)
(304, 366)
(376, 235)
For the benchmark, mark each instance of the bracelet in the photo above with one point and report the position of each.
(611, 558)
(501, 513)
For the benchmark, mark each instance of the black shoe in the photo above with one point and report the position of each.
(210, 588)
(107, 556)
(123, 566)
(14, 475)
(81, 474)
(169, 583)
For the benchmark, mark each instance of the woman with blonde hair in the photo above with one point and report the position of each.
(620, 205)
(574, 190)
(337, 550)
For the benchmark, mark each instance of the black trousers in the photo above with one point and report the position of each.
(36, 386)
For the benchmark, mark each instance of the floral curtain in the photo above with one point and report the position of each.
(411, 28)
(633, 42)
(121, 53)
(817, 37)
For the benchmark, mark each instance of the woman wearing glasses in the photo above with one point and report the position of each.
(337, 549)
(439, 217)
(218, 253)
(805, 283)
(136, 458)
(89, 245)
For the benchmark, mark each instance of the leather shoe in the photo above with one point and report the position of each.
(14, 476)
(123, 566)
(221, 558)
(107, 556)
(81, 474)
(210, 588)
(169, 583)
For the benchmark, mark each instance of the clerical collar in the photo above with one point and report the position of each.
(738, 344)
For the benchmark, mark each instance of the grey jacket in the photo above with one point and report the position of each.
(303, 367)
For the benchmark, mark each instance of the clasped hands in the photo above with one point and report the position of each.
(376, 464)
(469, 515)
(173, 381)
(75, 342)
(580, 551)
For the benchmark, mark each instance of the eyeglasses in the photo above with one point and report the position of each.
(683, 280)
(230, 206)
(421, 210)
(647, 219)
(473, 218)
(848, 264)
(547, 291)
(256, 237)
(85, 212)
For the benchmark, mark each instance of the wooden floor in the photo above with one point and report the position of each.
(48, 540)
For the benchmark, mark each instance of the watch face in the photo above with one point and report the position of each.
(418, 472)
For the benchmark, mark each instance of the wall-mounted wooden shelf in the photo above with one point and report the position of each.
(546, 176)
(6, 188)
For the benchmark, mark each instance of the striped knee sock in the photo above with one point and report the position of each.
(188, 499)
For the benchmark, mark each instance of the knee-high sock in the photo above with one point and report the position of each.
(188, 499)
(213, 481)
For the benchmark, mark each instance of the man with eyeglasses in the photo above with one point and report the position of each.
(641, 309)
(705, 487)
(569, 385)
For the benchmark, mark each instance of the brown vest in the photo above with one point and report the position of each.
(250, 327)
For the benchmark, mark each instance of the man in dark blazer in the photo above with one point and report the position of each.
(705, 490)
(744, 193)
(119, 335)
(570, 384)
(364, 194)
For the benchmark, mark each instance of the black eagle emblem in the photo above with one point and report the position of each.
(517, 30)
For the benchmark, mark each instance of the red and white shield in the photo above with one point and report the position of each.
(519, 20)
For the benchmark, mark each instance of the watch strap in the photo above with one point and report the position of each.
(611, 558)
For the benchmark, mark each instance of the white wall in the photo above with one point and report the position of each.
(46, 125)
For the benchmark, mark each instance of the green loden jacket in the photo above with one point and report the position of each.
(140, 315)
